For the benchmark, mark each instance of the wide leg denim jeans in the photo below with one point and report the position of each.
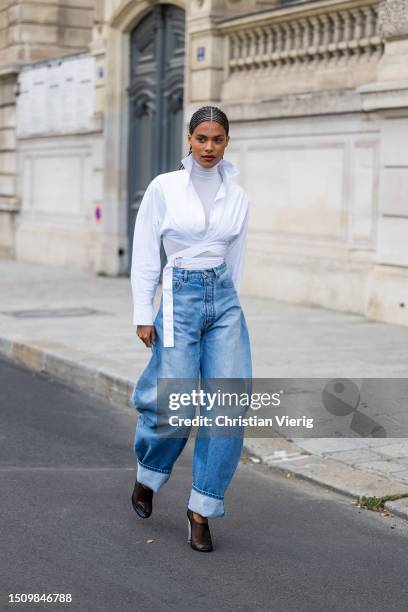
(211, 339)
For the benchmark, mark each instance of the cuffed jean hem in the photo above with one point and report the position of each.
(211, 507)
(151, 478)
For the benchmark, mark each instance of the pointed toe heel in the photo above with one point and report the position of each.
(199, 535)
(142, 500)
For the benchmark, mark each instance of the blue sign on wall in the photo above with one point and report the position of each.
(201, 53)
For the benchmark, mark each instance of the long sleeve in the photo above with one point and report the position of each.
(235, 256)
(146, 265)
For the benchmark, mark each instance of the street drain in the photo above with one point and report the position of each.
(55, 313)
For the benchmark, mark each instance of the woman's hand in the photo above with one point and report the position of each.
(147, 334)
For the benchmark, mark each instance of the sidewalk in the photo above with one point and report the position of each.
(78, 328)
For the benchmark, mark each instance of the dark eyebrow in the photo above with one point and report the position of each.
(216, 136)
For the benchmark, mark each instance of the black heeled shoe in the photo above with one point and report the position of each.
(199, 536)
(142, 500)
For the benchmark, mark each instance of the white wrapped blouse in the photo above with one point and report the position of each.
(171, 210)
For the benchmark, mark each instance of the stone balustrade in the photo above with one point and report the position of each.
(314, 36)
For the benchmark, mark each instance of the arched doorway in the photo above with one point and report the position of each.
(155, 102)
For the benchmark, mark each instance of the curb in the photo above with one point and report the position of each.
(339, 477)
(290, 460)
(75, 373)
(399, 507)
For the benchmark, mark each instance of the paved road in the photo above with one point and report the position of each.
(67, 526)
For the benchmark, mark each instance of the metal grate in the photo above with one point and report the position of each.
(55, 313)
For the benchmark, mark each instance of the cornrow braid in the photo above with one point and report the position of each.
(207, 113)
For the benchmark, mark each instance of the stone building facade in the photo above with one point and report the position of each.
(317, 96)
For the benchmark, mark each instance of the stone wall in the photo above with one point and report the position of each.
(30, 31)
(9, 201)
(60, 189)
(317, 97)
(318, 100)
(303, 49)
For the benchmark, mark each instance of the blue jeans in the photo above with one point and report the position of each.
(211, 341)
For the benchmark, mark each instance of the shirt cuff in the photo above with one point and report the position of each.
(143, 314)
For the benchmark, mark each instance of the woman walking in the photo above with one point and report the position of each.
(199, 330)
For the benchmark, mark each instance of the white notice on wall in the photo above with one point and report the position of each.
(56, 96)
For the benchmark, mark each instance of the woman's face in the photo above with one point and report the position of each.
(208, 143)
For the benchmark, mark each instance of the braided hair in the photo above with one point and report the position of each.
(207, 113)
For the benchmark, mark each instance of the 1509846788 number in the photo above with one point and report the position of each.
(40, 597)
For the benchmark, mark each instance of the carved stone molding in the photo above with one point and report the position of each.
(393, 18)
(296, 105)
(385, 96)
(334, 35)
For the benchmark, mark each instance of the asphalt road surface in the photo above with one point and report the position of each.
(67, 526)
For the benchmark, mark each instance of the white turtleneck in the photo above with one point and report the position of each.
(206, 182)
